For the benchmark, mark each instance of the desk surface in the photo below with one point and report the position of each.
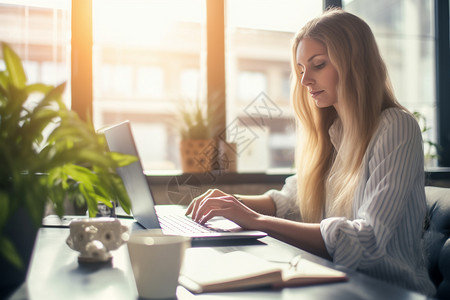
(55, 274)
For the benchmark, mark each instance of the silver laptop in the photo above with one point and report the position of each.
(170, 218)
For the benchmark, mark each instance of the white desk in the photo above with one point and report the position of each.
(55, 274)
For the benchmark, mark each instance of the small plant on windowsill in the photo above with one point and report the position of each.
(194, 122)
(47, 154)
(431, 149)
(196, 137)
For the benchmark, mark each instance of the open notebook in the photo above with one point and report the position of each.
(170, 218)
(209, 270)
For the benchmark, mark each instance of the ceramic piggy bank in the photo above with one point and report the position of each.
(95, 237)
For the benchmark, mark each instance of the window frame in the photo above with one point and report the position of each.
(81, 68)
(81, 59)
(442, 67)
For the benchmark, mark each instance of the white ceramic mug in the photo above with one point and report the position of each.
(156, 262)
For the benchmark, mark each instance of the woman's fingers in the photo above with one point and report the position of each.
(198, 203)
(195, 203)
(213, 203)
(214, 212)
(217, 203)
(191, 206)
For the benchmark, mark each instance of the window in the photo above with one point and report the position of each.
(250, 84)
(405, 35)
(147, 58)
(150, 82)
(39, 31)
(190, 83)
(258, 70)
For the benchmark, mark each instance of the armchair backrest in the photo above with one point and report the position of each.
(437, 238)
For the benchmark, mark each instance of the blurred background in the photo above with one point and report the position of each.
(148, 56)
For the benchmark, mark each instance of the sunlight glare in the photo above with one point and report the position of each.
(140, 22)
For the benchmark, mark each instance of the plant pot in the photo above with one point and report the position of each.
(196, 155)
(21, 231)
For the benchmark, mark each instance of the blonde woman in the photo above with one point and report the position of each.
(358, 196)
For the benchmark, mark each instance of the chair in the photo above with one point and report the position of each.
(437, 238)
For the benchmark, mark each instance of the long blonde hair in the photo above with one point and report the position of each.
(364, 91)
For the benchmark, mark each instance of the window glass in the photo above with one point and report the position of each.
(251, 84)
(405, 35)
(258, 42)
(146, 59)
(150, 82)
(190, 83)
(39, 32)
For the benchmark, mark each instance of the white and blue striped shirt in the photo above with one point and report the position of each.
(384, 237)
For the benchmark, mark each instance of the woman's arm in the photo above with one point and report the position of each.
(217, 203)
(262, 204)
(303, 235)
(390, 201)
(306, 236)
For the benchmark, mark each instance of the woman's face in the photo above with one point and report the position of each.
(318, 74)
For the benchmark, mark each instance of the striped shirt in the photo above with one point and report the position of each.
(383, 239)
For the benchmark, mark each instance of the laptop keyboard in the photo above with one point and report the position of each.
(183, 224)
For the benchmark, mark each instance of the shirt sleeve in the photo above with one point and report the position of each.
(394, 166)
(286, 199)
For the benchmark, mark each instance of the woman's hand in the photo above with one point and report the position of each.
(217, 203)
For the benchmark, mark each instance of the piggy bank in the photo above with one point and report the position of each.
(95, 237)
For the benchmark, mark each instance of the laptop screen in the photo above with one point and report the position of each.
(120, 139)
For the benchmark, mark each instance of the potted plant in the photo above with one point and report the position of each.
(431, 149)
(197, 144)
(47, 153)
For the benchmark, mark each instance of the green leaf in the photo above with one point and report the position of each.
(54, 94)
(41, 120)
(80, 174)
(38, 88)
(104, 200)
(93, 157)
(122, 195)
(14, 67)
(8, 251)
(91, 202)
(3, 81)
(122, 159)
(48, 153)
(4, 208)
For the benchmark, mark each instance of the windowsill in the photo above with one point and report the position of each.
(437, 172)
(273, 171)
(271, 176)
(437, 169)
(218, 177)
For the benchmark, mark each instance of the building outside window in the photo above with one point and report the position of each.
(258, 73)
(148, 57)
(39, 32)
(405, 35)
(153, 56)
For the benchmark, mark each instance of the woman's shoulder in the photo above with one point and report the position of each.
(397, 118)
(397, 124)
(397, 130)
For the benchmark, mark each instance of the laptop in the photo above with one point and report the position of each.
(170, 218)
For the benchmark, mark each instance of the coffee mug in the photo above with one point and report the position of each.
(95, 237)
(156, 262)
